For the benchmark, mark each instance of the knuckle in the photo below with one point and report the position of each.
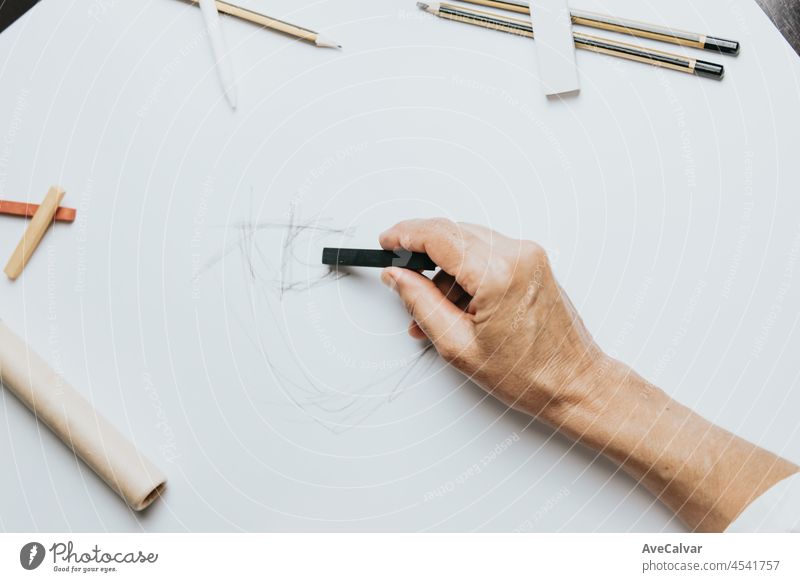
(412, 307)
(503, 272)
(442, 223)
(446, 350)
(468, 282)
(449, 230)
(498, 276)
(406, 240)
(458, 348)
(453, 353)
(533, 252)
(533, 262)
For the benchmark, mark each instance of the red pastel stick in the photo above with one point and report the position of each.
(24, 209)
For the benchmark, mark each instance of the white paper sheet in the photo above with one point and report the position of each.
(555, 49)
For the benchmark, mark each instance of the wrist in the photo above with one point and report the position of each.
(702, 472)
(610, 408)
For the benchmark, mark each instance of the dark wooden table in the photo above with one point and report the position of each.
(784, 13)
(786, 16)
(10, 10)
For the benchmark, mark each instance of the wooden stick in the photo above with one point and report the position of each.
(28, 210)
(41, 221)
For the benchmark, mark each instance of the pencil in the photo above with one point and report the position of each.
(627, 26)
(596, 44)
(274, 24)
(377, 258)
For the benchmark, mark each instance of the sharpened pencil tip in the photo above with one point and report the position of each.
(422, 5)
(324, 41)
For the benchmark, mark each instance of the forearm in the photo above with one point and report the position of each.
(496, 312)
(705, 474)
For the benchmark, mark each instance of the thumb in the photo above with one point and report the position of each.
(447, 326)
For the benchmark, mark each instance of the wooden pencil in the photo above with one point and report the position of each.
(596, 44)
(274, 24)
(628, 26)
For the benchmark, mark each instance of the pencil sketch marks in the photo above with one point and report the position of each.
(301, 332)
(250, 242)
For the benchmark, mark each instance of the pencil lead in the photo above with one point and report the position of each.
(432, 7)
(326, 42)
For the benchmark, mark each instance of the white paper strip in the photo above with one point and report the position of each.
(77, 423)
(555, 47)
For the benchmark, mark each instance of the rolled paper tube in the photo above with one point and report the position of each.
(70, 416)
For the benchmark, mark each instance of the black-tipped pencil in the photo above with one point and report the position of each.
(596, 44)
(628, 26)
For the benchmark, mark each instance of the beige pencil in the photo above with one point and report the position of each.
(597, 44)
(274, 24)
(41, 221)
(628, 26)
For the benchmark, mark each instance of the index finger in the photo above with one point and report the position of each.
(456, 250)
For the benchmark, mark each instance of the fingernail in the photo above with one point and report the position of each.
(388, 279)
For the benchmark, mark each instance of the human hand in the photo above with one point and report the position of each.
(496, 312)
